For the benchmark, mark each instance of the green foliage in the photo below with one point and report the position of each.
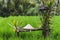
(7, 31)
(49, 3)
(18, 7)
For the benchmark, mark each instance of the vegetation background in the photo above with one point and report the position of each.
(25, 12)
(18, 7)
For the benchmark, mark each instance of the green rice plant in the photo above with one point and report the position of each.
(7, 32)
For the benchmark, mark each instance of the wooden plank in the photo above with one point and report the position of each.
(35, 29)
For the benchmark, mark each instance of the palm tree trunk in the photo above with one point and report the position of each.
(46, 24)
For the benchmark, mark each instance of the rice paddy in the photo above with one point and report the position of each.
(8, 33)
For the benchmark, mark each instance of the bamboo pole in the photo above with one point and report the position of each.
(27, 30)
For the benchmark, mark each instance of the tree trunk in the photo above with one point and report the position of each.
(45, 24)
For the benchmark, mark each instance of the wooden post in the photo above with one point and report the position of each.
(17, 32)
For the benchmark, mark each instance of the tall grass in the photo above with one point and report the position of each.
(6, 32)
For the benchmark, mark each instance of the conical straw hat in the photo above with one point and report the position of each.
(28, 26)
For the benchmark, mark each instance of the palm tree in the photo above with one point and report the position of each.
(46, 9)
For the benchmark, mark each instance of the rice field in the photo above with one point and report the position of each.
(8, 33)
